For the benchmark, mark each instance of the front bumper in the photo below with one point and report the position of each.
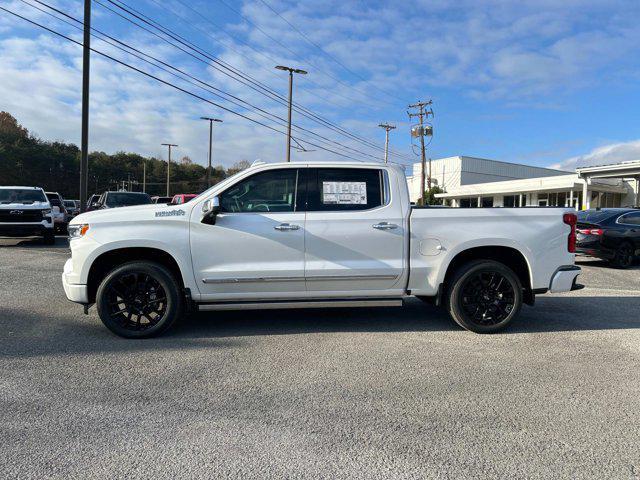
(24, 229)
(74, 292)
(564, 279)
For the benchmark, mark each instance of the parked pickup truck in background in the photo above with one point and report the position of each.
(26, 212)
(315, 235)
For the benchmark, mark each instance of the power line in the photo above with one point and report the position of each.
(294, 53)
(244, 78)
(147, 74)
(269, 70)
(261, 112)
(311, 42)
(272, 61)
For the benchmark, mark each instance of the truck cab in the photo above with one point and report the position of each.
(314, 235)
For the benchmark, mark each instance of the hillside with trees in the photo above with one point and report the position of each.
(26, 159)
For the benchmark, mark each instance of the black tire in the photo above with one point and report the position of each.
(624, 256)
(484, 296)
(49, 237)
(139, 300)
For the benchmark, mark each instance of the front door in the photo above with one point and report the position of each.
(256, 247)
(355, 235)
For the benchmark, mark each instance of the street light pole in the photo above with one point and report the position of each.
(291, 72)
(211, 120)
(84, 136)
(169, 164)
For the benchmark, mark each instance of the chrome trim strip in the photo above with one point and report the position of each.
(294, 279)
(251, 279)
(352, 277)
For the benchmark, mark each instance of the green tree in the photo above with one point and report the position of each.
(429, 197)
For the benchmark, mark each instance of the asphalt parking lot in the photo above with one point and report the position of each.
(350, 393)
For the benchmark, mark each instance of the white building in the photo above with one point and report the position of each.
(477, 182)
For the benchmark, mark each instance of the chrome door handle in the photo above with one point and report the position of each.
(286, 226)
(385, 226)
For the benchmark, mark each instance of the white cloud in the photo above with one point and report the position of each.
(604, 155)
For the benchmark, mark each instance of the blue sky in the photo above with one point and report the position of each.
(541, 82)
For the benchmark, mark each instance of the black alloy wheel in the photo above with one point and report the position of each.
(138, 300)
(485, 296)
(624, 255)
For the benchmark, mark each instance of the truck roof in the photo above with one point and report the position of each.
(325, 164)
(7, 187)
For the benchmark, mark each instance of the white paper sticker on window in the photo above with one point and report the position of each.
(344, 193)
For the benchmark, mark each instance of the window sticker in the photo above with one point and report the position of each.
(344, 193)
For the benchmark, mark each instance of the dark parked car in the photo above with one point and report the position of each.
(121, 199)
(93, 199)
(612, 234)
(72, 207)
(161, 199)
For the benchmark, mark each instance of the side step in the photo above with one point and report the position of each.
(279, 304)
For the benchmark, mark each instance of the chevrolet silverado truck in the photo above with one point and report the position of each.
(314, 235)
(26, 212)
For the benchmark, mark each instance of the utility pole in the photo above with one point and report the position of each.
(291, 72)
(386, 127)
(420, 131)
(211, 120)
(144, 176)
(169, 164)
(84, 136)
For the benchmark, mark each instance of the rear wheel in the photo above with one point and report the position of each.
(624, 255)
(139, 300)
(484, 296)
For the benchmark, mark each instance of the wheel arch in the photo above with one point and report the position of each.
(111, 259)
(509, 256)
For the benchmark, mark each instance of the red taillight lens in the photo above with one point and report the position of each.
(591, 231)
(571, 219)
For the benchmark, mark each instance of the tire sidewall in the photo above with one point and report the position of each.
(455, 294)
(616, 260)
(168, 283)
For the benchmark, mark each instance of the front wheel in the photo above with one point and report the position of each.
(139, 300)
(484, 296)
(623, 256)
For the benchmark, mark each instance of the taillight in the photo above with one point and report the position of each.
(571, 219)
(591, 231)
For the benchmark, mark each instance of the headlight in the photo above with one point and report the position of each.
(46, 211)
(78, 231)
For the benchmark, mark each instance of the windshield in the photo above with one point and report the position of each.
(21, 195)
(125, 199)
(70, 203)
(595, 216)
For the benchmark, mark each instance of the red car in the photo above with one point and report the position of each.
(183, 198)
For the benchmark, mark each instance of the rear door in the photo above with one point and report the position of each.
(631, 223)
(354, 234)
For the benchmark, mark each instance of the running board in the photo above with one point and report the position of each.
(275, 305)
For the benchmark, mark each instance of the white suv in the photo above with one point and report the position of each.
(26, 212)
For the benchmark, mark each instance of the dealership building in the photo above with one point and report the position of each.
(479, 182)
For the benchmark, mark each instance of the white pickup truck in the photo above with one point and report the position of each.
(314, 235)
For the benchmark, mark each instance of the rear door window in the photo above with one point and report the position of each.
(345, 189)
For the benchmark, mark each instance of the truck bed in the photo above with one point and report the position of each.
(438, 234)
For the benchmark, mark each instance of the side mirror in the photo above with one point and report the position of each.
(55, 210)
(210, 210)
